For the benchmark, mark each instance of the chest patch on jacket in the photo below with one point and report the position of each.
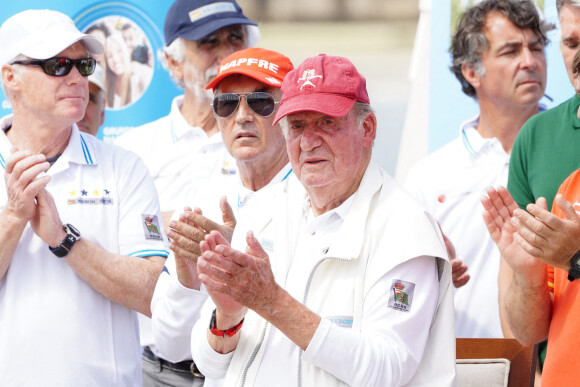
(401, 295)
(341, 321)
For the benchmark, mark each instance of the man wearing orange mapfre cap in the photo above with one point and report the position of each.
(344, 279)
(247, 94)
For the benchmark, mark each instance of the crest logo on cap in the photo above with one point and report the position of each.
(307, 76)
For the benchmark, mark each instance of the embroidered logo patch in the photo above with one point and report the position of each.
(211, 9)
(307, 76)
(341, 321)
(93, 196)
(151, 227)
(401, 295)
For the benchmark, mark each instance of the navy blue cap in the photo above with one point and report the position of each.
(196, 19)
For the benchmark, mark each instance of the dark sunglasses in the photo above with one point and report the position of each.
(263, 104)
(59, 67)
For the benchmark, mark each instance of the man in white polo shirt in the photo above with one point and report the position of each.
(507, 77)
(184, 148)
(247, 92)
(81, 246)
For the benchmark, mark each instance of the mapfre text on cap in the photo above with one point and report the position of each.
(250, 62)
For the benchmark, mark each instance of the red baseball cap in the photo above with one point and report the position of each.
(325, 84)
(268, 67)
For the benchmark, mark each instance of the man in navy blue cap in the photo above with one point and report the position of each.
(185, 149)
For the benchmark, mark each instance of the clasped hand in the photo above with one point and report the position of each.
(237, 280)
(27, 197)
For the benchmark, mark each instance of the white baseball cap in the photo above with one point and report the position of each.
(98, 78)
(41, 34)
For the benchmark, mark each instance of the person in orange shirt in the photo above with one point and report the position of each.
(543, 250)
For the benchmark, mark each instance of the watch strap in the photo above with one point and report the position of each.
(228, 332)
(574, 272)
(64, 247)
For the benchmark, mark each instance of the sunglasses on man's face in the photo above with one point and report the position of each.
(263, 104)
(59, 66)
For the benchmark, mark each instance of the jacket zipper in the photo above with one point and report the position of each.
(254, 354)
(306, 292)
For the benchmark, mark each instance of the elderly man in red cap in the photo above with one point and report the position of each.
(247, 94)
(344, 279)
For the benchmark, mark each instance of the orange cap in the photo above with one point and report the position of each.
(268, 67)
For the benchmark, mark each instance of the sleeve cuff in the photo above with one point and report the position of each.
(212, 364)
(317, 342)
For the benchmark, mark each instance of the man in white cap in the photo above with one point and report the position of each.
(95, 112)
(184, 149)
(68, 293)
(345, 281)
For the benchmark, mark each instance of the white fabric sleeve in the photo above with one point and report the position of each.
(213, 365)
(175, 309)
(140, 225)
(389, 349)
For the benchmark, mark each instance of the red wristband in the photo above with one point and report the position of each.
(228, 332)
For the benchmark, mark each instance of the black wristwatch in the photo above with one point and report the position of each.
(574, 272)
(64, 247)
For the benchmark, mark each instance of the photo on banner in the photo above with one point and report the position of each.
(127, 62)
(139, 90)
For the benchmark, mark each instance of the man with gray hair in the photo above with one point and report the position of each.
(68, 293)
(185, 149)
(498, 57)
(185, 146)
(344, 279)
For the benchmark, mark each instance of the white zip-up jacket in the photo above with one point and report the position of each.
(383, 229)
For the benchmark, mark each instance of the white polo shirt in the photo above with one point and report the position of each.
(175, 308)
(178, 155)
(449, 183)
(55, 328)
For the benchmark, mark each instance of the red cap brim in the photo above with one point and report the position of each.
(257, 75)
